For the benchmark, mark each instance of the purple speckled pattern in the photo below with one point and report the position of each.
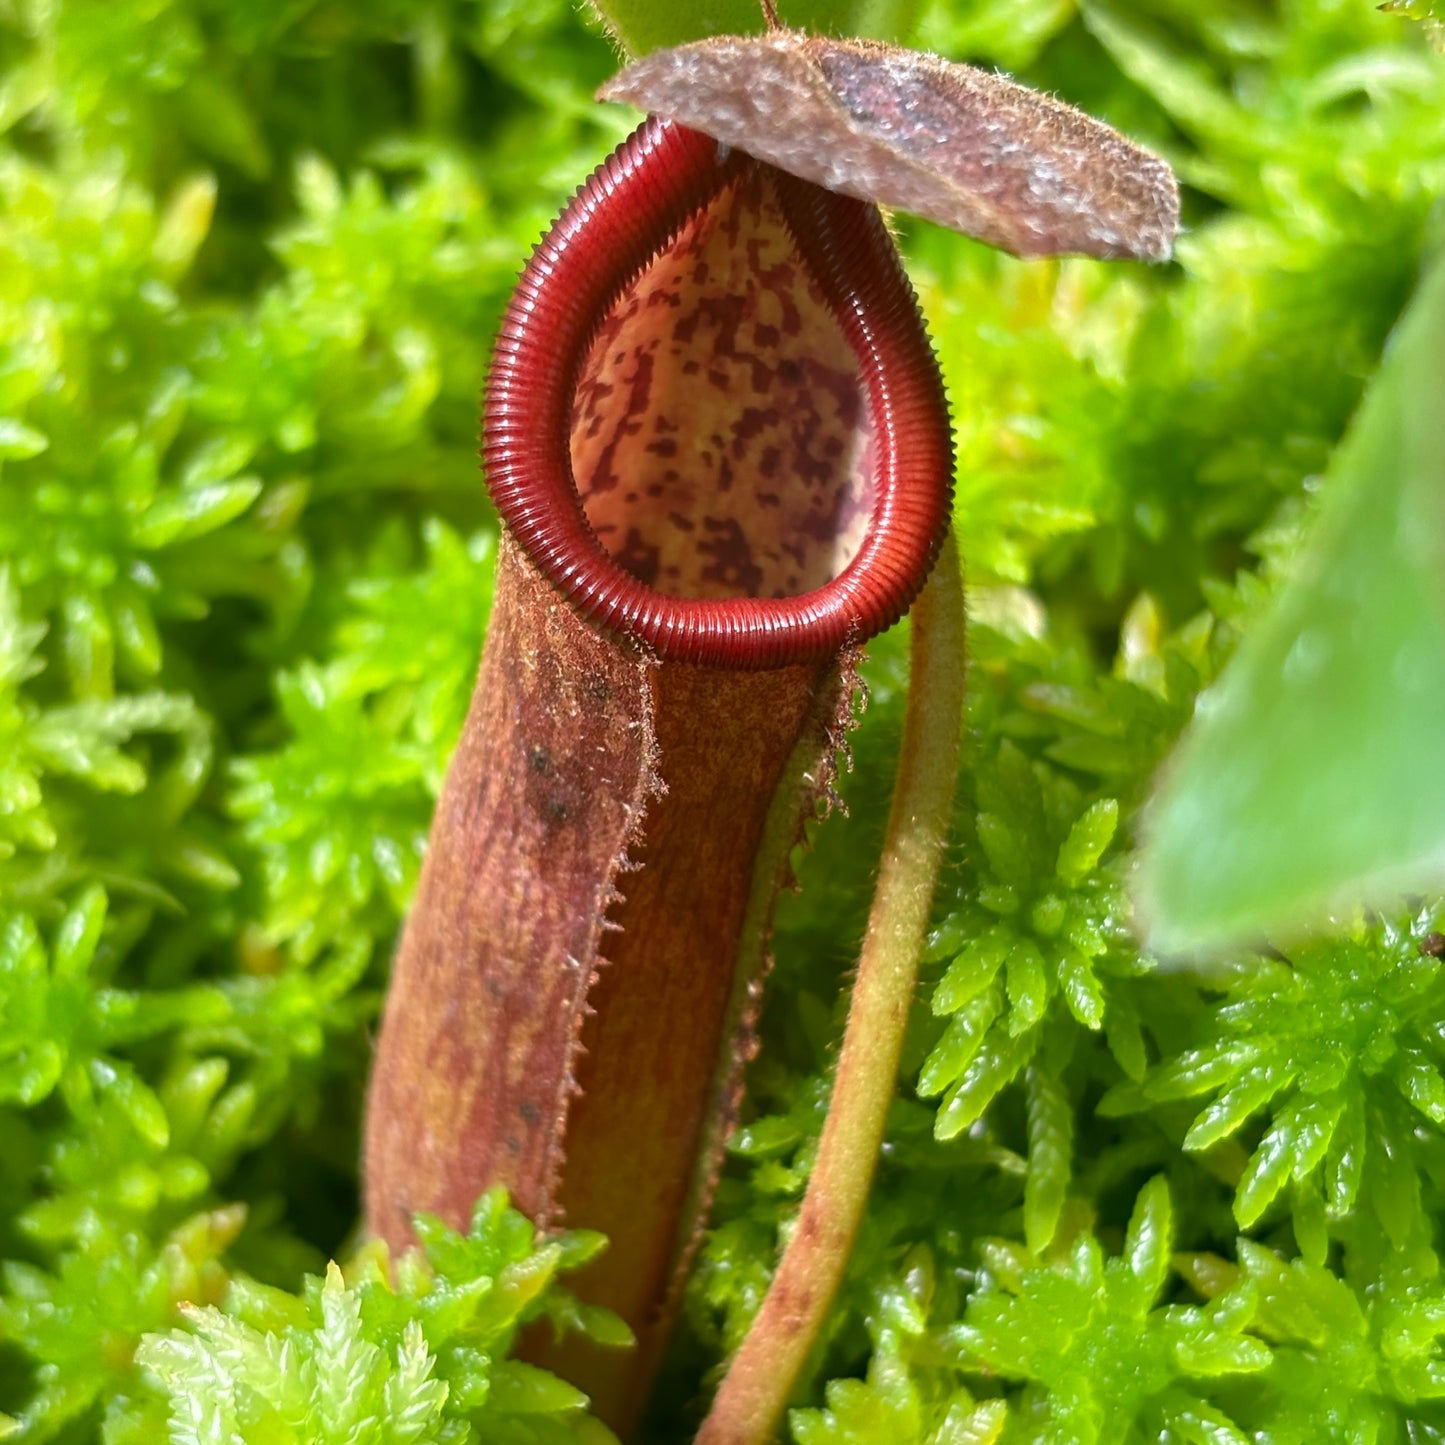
(721, 437)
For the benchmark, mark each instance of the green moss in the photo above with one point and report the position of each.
(362, 1359)
(251, 257)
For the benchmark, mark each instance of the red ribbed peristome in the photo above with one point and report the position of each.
(632, 206)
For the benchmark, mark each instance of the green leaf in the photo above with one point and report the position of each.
(180, 516)
(972, 971)
(1027, 986)
(1051, 1137)
(991, 1069)
(1311, 780)
(1150, 1238)
(960, 1042)
(1081, 988)
(1090, 834)
(1251, 1092)
(1293, 1146)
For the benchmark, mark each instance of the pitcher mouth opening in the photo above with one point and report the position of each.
(714, 419)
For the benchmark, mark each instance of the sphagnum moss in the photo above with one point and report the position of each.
(251, 260)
